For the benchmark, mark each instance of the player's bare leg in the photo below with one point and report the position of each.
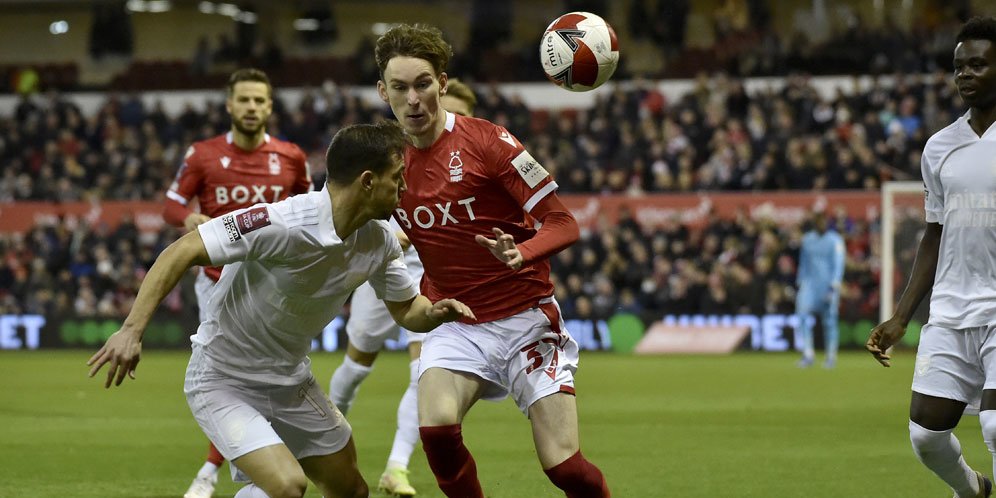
(394, 480)
(444, 397)
(274, 470)
(346, 379)
(554, 421)
(932, 422)
(337, 475)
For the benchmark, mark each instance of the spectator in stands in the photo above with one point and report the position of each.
(200, 63)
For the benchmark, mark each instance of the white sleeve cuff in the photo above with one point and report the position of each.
(176, 197)
(538, 196)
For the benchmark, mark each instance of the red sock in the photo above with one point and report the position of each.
(214, 456)
(579, 478)
(451, 463)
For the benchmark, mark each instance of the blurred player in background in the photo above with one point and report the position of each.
(233, 171)
(821, 270)
(370, 325)
(291, 267)
(470, 180)
(458, 98)
(955, 364)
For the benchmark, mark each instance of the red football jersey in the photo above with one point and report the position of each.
(223, 177)
(475, 177)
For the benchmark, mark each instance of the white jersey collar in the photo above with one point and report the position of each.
(230, 137)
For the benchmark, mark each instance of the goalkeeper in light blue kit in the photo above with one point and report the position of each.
(821, 269)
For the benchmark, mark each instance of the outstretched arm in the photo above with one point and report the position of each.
(887, 333)
(421, 315)
(124, 348)
(559, 231)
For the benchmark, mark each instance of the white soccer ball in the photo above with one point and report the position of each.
(579, 51)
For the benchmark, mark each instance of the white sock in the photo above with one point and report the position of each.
(987, 419)
(406, 437)
(940, 452)
(251, 491)
(346, 382)
(208, 470)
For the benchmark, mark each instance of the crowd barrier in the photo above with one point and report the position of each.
(591, 211)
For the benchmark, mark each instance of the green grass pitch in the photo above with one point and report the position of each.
(746, 425)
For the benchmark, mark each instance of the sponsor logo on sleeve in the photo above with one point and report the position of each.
(233, 232)
(530, 170)
(252, 219)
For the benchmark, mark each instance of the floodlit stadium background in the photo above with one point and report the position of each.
(692, 173)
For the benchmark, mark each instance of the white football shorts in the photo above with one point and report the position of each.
(370, 324)
(522, 355)
(955, 364)
(239, 416)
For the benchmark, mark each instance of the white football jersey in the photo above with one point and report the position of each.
(287, 275)
(959, 176)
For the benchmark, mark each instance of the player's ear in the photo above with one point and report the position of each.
(443, 83)
(228, 104)
(382, 90)
(367, 180)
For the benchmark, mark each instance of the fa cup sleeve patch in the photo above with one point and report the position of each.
(252, 219)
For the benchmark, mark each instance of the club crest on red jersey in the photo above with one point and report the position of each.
(274, 163)
(456, 166)
(225, 161)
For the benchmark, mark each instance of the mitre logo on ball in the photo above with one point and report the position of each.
(579, 51)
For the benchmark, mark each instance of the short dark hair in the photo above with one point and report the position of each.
(248, 74)
(978, 28)
(361, 147)
(421, 41)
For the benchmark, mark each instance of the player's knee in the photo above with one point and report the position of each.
(284, 486)
(935, 414)
(434, 416)
(926, 441)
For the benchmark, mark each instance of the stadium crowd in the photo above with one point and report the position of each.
(716, 137)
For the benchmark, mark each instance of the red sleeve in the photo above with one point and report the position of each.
(175, 213)
(303, 183)
(559, 230)
(514, 168)
(187, 185)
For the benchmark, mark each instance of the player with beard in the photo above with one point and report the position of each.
(233, 171)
